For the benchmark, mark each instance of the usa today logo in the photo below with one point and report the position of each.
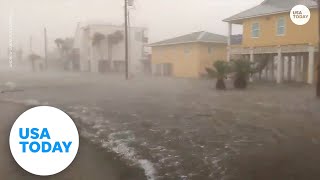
(44, 140)
(300, 15)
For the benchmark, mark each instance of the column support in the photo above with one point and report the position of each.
(251, 60)
(229, 41)
(289, 68)
(267, 69)
(279, 66)
(272, 68)
(311, 65)
(304, 68)
(297, 68)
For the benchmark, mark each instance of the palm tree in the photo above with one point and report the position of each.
(33, 57)
(97, 40)
(59, 42)
(242, 69)
(113, 39)
(64, 45)
(65, 48)
(220, 71)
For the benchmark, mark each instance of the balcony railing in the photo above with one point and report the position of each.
(270, 49)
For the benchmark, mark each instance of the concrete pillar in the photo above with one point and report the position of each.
(267, 69)
(311, 65)
(289, 68)
(251, 60)
(272, 68)
(293, 61)
(297, 69)
(229, 33)
(285, 67)
(279, 66)
(229, 41)
(304, 68)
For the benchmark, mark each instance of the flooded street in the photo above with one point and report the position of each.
(175, 128)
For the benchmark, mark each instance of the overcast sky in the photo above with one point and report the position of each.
(163, 18)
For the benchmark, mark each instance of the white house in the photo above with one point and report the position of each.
(102, 58)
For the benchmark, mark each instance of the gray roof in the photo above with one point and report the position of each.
(201, 36)
(268, 7)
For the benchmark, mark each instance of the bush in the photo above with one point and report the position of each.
(220, 71)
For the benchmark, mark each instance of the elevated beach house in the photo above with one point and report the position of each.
(188, 55)
(290, 50)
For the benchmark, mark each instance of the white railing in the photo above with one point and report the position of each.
(270, 49)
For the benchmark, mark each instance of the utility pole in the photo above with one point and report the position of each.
(318, 68)
(11, 48)
(126, 38)
(45, 49)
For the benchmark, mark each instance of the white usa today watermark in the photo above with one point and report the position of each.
(44, 140)
(300, 15)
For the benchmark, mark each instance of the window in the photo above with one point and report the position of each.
(255, 30)
(210, 50)
(281, 26)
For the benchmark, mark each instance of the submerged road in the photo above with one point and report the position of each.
(184, 128)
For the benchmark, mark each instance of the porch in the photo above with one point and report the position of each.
(294, 63)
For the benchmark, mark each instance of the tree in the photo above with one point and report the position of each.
(33, 57)
(97, 40)
(242, 69)
(59, 42)
(220, 71)
(113, 39)
(65, 47)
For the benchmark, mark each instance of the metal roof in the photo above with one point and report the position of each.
(201, 36)
(269, 7)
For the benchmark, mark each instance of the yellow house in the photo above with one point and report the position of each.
(268, 32)
(188, 55)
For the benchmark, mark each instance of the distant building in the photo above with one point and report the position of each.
(110, 58)
(268, 33)
(188, 55)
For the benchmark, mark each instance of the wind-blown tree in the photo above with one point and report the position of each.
(242, 69)
(67, 45)
(97, 40)
(59, 42)
(65, 49)
(220, 71)
(33, 57)
(64, 46)
(113, 39)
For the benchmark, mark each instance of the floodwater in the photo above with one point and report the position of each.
(176, 128)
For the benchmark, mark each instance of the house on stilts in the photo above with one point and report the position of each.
(289, 51)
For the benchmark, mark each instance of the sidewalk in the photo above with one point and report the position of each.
(91, 162)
